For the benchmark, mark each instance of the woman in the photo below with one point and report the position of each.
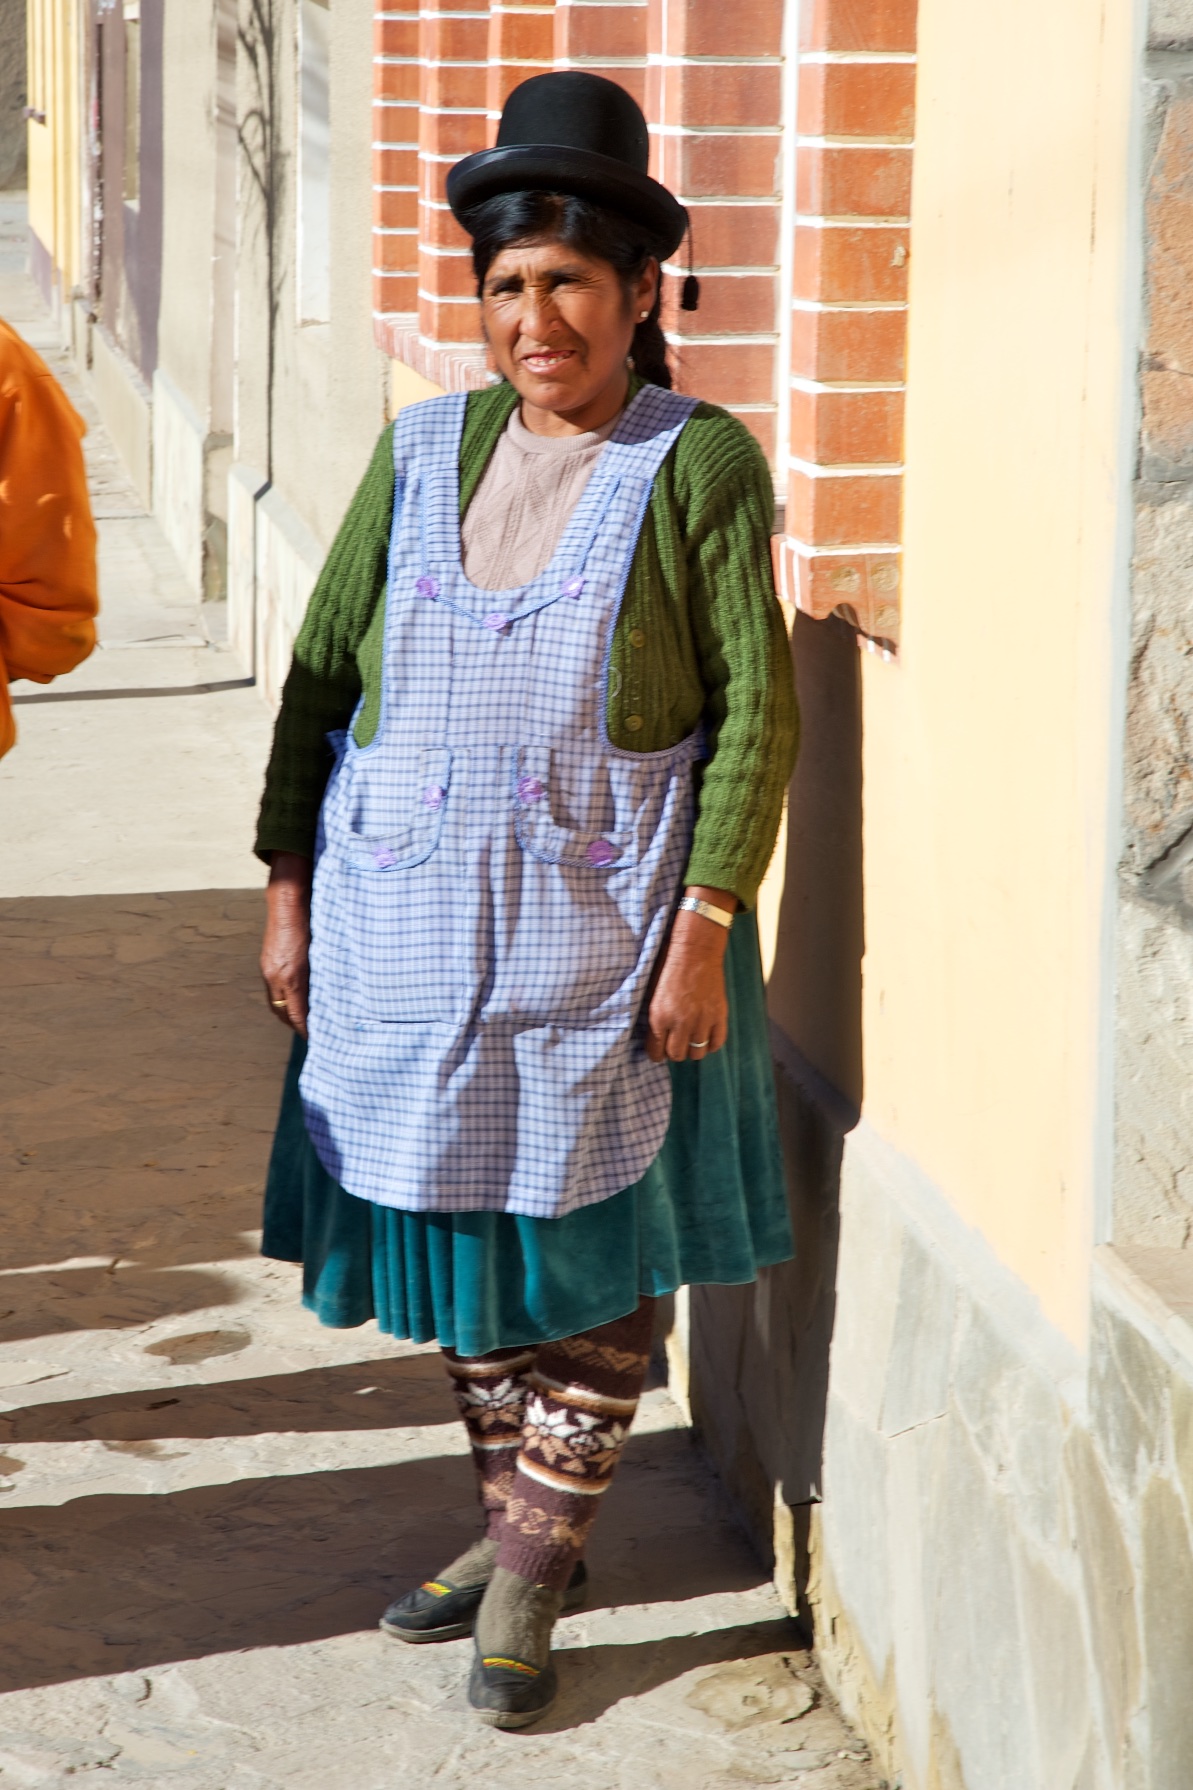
(536, 1091)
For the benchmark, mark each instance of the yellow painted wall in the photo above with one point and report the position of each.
(54, 147)
(408, 387)
(988, 750)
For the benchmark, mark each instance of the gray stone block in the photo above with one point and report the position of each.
(1016, 1421)
(914, 1469)
(1170, 23)
(917, 1377)
(1153, 1173)
(1058, 1673)
(1167, 1635)
(855, 1528)
(1109, 1590)
(1159, 739)
(1181, 1394)
(871, 1249)
(981, 1689)
(1128, 1381)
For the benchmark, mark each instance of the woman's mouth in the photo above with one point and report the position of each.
(548, 359)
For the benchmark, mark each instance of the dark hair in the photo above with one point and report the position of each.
(510, 218)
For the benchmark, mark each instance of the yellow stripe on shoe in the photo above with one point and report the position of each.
(513, 1665)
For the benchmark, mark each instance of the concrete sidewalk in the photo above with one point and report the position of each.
(205, 1498)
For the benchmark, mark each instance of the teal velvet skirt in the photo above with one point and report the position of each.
(711, 1208)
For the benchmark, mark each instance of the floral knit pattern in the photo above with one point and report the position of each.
(491, 1398)
(582, 1399)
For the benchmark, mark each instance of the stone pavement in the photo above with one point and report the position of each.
(205, 1498)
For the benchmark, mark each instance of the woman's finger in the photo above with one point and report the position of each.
(288, 1003)
(279, 1001)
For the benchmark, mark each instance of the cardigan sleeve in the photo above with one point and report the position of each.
(324, 682)
(727, 499)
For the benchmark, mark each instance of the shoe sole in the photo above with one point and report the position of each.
(418, 1637)
(574, 1599)
(499, 1718)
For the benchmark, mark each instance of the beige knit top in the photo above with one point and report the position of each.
(522, 504)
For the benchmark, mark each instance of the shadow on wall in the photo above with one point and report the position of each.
(759, 1354)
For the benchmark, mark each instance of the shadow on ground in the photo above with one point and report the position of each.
(223, 1481)
(120, 1583)
(357, 1396)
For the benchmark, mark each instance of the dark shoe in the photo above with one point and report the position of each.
(513, 1681)
(440, 1611)
(506, 1693)
(437, 1611)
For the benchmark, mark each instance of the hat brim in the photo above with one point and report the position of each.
(553, 168)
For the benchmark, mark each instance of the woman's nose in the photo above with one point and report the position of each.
(538, 312)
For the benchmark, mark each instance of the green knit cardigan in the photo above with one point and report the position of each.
(700, 636)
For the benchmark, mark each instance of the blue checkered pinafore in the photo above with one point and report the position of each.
(494, 878)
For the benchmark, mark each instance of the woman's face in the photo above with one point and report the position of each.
(560, 327)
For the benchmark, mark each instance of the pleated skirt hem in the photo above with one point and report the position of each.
(710, 1210)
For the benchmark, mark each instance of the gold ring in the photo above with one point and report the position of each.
(279, 1004)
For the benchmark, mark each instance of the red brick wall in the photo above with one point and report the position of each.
(713, 99)
(395, 157)
(853, 190)
(709, 76)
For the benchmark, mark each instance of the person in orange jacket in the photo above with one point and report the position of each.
(49, 596)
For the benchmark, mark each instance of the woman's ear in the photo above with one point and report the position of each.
(648, 286)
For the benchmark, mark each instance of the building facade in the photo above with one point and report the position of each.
(944, 257)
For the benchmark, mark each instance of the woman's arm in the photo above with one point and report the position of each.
(726, 507)
(323, 685)
(689, 1009)
(726, 500)
(320, 693)
(285, 949)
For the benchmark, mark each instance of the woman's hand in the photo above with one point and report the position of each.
(688, 1016)
(285, 950)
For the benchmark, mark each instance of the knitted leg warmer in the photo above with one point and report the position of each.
(491, 1397)
(584, 1392)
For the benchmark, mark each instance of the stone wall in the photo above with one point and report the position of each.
(1002, 1568)
(13, 128)
(1154, 1103)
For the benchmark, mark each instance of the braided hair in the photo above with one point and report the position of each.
(578, 224)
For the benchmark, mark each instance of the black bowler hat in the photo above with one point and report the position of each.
(571, 132)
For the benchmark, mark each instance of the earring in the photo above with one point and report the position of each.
(642, 316)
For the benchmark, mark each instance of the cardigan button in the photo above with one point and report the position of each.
(637, 637)
(633, 723)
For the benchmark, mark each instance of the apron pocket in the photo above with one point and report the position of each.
(571, 945)
(398, 905)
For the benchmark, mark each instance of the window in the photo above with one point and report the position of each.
(132, 101)
(314, 157)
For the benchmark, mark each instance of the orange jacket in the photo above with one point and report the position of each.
(48, 591)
